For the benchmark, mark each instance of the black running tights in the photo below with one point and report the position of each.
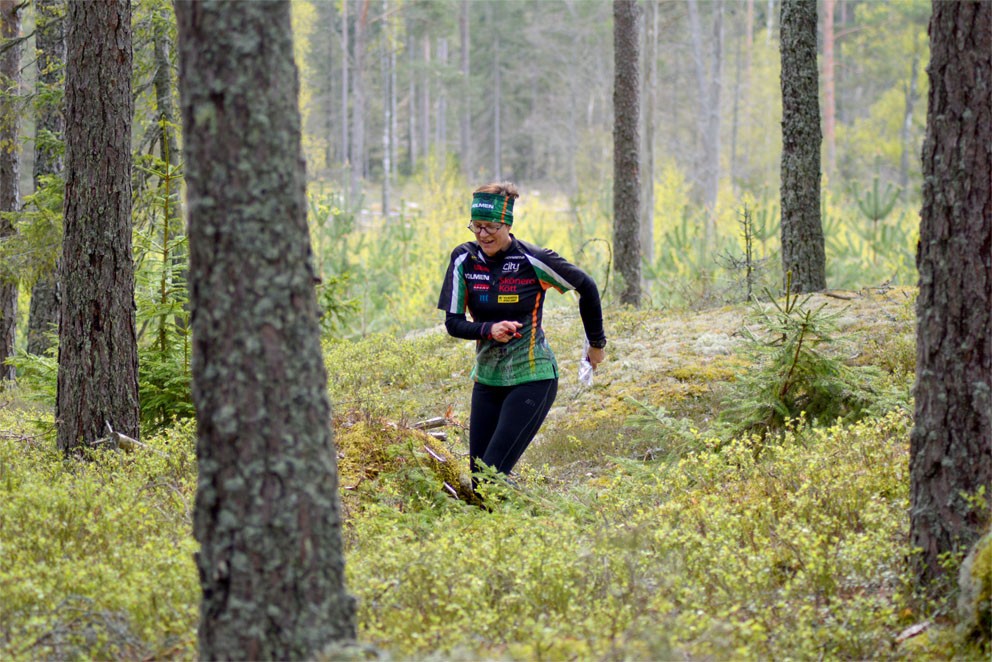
(505, 419)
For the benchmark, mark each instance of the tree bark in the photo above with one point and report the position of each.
(267, 515)
(358, 99)
(650, 102)
(497, 114)
(708, 111)
(441, 114)
(626, 148)
(345, 87)
(829, 95)
(906, 133)
(802, 232)
(168, 145)
(465, 116)
(386, 62)
(951, 442)
(425, 95)
(98, 353)
(10, 81)
(43, 314)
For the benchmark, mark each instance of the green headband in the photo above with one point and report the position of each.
(492, 208)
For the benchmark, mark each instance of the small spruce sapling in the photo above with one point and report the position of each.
(794, 374)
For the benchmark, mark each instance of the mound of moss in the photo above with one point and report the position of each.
(975, 599)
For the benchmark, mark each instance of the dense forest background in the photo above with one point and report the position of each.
(407, 106)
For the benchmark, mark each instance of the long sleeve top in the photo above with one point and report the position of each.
(512, 285)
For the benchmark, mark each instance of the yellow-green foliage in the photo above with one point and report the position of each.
(381, 375)
(721, 556)
(96, 557)
(603, 552)
(376, 460)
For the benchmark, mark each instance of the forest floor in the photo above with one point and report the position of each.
(637, 528)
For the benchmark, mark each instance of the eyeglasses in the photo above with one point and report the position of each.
(488, 229)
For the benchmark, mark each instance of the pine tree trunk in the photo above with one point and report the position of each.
(829, 95)
(650, 101)
(10, 80)
(98, 355)
(358, 99)
(626, 148)
(708, 110)
(386, 62)
(441, 119)
(465, 116)
(267, 515)
(497, 114)
(951, 443)
(802, 232)
(43, 315)
(425, 96)
(345, 88)
(906, 133)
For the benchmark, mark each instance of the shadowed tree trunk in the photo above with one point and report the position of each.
(43, 315)
(951, 443)
(10, 80)
(98, 352)
(267, 515)
(802, 232)
(626, 150)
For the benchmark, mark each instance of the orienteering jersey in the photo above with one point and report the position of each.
(512, 285)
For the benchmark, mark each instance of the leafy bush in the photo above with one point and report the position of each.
(701, 548)
(721, 555)
(96, 558)
(376, 375)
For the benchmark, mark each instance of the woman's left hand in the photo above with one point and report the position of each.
(596, 356)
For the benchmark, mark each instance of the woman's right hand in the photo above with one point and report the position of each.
(505, 331)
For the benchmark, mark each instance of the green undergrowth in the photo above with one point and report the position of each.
(96, 557)
(797, 554)
(635, 530)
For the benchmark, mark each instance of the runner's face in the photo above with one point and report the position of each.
(492, 237)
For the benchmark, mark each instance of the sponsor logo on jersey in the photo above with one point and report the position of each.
(517, 281)
(508, 298)
(477, 277)
(480, 287)
(480, 267)
(511, 266)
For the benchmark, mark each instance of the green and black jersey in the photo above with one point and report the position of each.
(512, 285)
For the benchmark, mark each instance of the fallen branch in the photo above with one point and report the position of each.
(433, 454)
(430, 423)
